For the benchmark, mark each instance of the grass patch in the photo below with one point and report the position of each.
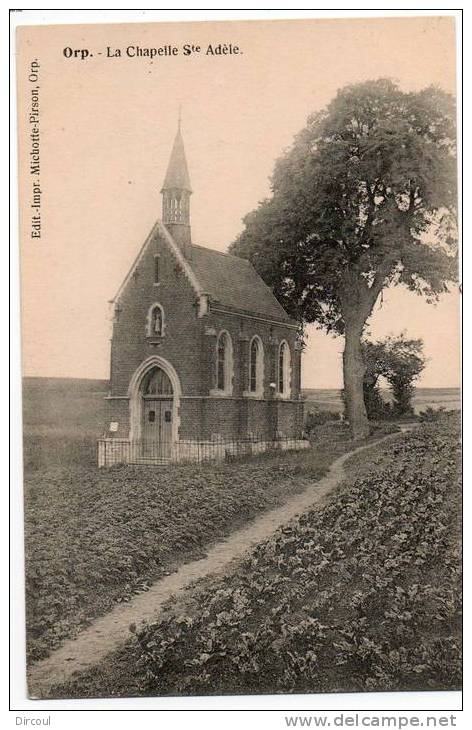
(361, 595)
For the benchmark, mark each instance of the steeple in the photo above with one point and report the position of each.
(176, 192)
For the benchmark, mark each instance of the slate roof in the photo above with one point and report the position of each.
(177, 170)
(234, 282)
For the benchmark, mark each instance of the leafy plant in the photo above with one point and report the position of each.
(94, 538)
(319, 418)
(363, 594)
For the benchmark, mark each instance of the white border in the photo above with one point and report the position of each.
(278, 706)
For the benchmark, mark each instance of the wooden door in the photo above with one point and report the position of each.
(157, 428)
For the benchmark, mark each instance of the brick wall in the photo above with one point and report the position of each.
(117, 411)
(242, 330)
(181, 343)
(189, 344)
(289, 418)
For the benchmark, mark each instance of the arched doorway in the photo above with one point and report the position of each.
(154, 407)
(157, 406)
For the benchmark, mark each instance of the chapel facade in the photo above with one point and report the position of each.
(205, 362)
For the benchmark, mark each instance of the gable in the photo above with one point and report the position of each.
(159, 231)
(227, 280)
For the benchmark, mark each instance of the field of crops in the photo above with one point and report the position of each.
(97, 537)
(361, 595)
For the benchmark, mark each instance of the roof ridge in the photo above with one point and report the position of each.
(235, 282)
(221, 253)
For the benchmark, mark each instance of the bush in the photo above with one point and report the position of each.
(400, 361)
(319, 418)
(431, 415)
(377, 408)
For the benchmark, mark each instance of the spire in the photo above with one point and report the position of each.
(176, 192)
(177, 176)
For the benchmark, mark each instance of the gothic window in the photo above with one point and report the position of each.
(284, 370)
(224, 363)
(156, 269)
(221, 361)
(155, 321)
(256, 366)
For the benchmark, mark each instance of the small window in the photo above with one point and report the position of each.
(253, 366)
(156, 269)
(284, 370)
(223, 364)
(281, 367)
(256, 366)
(152, 416)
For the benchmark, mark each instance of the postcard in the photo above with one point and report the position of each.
(240, 351)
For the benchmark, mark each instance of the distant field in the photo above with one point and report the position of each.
(330, 399)
(77, 405)
(64, 417)
(63, 402)
(62, 420)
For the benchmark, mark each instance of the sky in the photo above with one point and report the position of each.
(107, 126)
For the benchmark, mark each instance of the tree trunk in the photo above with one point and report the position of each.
(357, 300)
(353, 371)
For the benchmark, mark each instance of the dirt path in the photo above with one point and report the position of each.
(109, 632)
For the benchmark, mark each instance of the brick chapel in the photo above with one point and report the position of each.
(204, 359)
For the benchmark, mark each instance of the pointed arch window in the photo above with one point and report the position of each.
(155, 324)
(284, 370)
(256, 367)
(224, 364)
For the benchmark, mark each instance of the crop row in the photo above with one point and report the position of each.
(363, 594)
(97, 537)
